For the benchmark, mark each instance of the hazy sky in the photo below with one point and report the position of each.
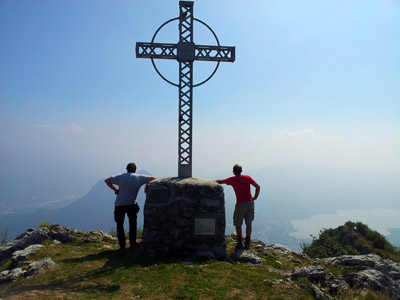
(313, 81)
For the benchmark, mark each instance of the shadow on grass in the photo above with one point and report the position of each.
(102, 280)
(64, 286)
(117, 260)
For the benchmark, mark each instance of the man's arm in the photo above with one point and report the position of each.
(221, 181)
(257, 186)
(151, 179)
(111, 186)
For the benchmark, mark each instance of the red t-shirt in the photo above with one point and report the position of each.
(241, 185)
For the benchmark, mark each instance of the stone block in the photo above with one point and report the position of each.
(180, 214)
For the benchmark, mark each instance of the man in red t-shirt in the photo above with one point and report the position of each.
(244, 208)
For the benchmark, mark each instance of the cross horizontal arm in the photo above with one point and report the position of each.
(215, 53)
(156, 50)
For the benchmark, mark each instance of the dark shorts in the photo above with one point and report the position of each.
(243, 211)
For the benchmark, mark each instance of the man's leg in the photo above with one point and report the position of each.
(132, 215)
(239, 238)
(249, 217)
(119, 216)
(248, 234)
(237, 222)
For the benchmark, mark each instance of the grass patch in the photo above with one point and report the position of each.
(97, 271)
(89, 271)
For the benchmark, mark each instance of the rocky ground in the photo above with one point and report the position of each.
(363, 272)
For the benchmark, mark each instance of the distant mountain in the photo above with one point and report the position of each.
(92, 211)
(287, 193)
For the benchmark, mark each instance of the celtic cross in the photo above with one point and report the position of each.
(185, 52)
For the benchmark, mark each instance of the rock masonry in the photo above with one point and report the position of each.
(185, 215)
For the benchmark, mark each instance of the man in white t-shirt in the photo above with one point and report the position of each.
(129, 184)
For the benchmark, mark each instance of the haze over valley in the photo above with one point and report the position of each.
(310, 109)
(291, 196)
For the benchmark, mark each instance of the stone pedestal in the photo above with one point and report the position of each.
(185, 215)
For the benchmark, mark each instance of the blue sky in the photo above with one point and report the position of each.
(313, 82)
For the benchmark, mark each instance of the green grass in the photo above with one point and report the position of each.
(99, 271)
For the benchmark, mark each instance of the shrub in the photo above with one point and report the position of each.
(44, 224)
(326, 246)
(47, 225)
(351, 238)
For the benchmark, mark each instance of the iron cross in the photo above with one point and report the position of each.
(185, 52)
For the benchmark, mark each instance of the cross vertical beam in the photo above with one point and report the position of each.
(185, 58)
(185, 52)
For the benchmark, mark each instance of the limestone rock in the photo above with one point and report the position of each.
(258, 243)
(312, 273)
(9, 276)
(93, 239)
(21, 255)
(96, 232)
(296, 261)
(370, 261)
(375, 280)
(378, 274)
(34, 237)
(336, 285)
(63, 234)
(26, 239)
(279, 248)
(40, 264)
(246, 256)
(108, 238)
(6, 251)
(38, 236)
(27, 232)
(319, 294)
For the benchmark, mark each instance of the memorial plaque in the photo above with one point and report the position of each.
(210, 202)
(204, 226)
(158, 196)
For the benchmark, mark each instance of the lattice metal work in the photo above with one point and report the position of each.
(186, 52)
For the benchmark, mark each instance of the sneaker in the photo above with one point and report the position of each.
(246, 247)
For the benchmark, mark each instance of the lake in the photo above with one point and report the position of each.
(385, 221)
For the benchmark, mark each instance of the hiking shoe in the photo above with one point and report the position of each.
(247, 243)
(239, 246)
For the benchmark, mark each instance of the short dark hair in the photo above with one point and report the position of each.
(131, 167)
(237, 169)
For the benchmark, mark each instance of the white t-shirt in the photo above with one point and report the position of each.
(129, 185)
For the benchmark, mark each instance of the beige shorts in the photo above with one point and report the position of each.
(243, 211)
